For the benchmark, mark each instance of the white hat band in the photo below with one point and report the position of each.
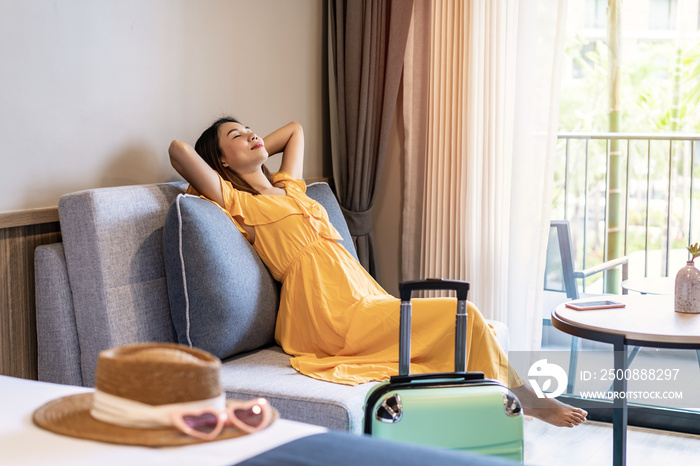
(129, 413)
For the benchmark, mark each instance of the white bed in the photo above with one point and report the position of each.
(23, 443)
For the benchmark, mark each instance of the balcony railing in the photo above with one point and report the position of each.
(660, 197)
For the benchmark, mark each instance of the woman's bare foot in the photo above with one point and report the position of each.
(549, 410)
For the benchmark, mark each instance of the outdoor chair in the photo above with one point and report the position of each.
(560, 281)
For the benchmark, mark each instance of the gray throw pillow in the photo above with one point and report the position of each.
(222, 297)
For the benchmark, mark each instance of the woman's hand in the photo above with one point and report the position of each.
(289, 140)
(187, 162)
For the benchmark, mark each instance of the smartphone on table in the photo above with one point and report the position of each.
(591, 305)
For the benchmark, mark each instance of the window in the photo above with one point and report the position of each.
(660, 14)
(596, 14)
(579, 70)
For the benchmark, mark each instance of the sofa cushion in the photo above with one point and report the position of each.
(222, 297)
(112, 239)
(267, 373)
(58, 350)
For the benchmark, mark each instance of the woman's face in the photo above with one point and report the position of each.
(243, 151)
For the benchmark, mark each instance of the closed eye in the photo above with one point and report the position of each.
(238, 133)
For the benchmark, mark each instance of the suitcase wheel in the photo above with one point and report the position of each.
(390, 409)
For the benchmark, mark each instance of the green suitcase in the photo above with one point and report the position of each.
(457, 410)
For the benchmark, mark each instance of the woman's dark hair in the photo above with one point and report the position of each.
(207, 146)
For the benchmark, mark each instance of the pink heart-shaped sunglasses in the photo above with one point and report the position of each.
(249, 416)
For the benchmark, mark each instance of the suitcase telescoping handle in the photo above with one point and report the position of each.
(406, 289)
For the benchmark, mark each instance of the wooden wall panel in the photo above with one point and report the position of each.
(18, 354)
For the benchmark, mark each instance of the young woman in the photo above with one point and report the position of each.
(338, 324)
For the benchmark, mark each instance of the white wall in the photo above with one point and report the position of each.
(93, 91)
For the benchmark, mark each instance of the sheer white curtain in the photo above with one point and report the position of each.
(486, 173)
(468, 169)
(541, 35)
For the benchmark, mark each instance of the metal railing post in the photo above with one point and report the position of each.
(631, 187)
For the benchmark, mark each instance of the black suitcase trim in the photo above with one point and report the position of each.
(422, 381)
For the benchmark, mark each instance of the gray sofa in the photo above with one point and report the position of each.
(105, 285)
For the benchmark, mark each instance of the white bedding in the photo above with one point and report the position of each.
(23, 443)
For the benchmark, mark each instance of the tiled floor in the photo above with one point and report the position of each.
(591, 444)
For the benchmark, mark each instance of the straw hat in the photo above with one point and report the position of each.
(148, 375)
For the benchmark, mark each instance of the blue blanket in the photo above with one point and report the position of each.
(343, 449)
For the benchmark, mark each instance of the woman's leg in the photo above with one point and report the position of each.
(548, 410)
(486, 355)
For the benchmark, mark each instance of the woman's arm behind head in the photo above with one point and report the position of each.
(195, 170)
(289, 140)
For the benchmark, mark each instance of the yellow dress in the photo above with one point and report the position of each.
(334, 320)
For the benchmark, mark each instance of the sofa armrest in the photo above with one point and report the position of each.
(502, 334)
(57, 337)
